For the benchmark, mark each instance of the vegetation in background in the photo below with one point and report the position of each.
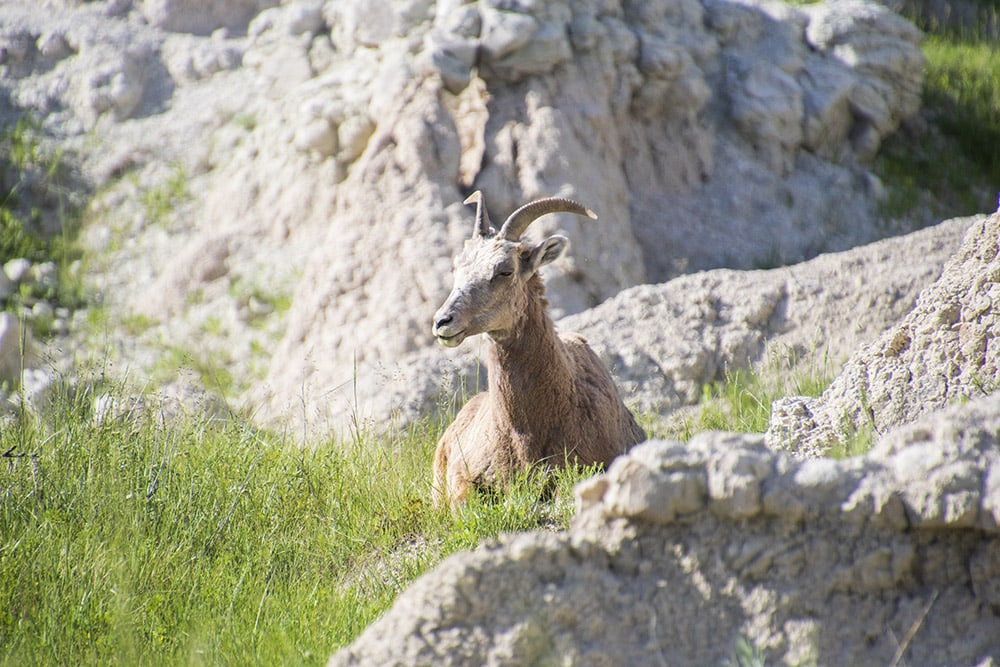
(858, 442)
(949, 165)
(746, 654)
(263, 303)
(962, 89)
(19, 225)
(210, 367)
(159, 202)
(963, 19)
(742, 401)
(126, 537)
(38, 216)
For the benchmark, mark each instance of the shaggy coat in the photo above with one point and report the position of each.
(550, 400)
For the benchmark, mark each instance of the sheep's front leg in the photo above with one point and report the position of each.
(440, 488)
(452, 478)
(455, 460)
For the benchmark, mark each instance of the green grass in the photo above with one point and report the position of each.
(742, 401)
(212, 367)
(963, 87)
(39, 219)
(130, 541)
(268, 303)
(858, 441)
(746, 654)
(126, 542)
(247, 121)
(976, 19)
(950, 167)
(160, 202)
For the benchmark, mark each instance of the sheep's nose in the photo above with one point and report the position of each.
(444, 323)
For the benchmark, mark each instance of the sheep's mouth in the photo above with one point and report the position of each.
(453, 340)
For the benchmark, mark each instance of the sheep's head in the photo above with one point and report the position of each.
(493, 270)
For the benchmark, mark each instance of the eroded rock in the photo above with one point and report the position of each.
(941, 351)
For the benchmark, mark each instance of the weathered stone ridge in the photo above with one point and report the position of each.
(666, 342)
(944, 350)
(681, 550)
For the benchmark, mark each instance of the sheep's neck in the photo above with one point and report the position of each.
(529, 375)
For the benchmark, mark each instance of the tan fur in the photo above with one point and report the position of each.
(550, 400)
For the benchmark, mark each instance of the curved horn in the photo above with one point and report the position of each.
(518, 221)
(482, 226)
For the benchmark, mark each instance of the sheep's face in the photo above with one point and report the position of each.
(490, 292)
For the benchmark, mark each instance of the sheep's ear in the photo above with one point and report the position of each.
(546, 252)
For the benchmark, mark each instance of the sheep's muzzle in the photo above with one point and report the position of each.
(447, 331)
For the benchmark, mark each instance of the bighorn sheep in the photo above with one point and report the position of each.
(549, 399)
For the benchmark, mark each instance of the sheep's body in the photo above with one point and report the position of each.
(550, 400)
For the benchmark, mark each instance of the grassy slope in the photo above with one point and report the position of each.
(127, 541)
(949, 165)
(130, 543)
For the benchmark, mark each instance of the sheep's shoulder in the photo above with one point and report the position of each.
(572, 338)
(609, 428)
(580, 351)
(576, 344)
(590, 373)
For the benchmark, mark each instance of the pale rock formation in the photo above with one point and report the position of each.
(859, 35)
(190, 59)
(944, 350)
(202, 18)
(327, 147)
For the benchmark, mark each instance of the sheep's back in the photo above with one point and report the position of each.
(607, 427)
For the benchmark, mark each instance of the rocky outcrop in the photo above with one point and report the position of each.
(680, 551)
(666, 342)
(327, 146)
(610, 106)
(944, 350)
(202, 18)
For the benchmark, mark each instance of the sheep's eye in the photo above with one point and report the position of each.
(503, 272)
